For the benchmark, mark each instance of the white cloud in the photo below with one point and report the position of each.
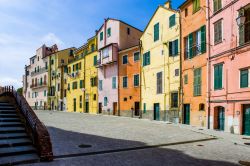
(51, 38)
(5, 81)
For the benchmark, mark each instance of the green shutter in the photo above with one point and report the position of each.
(170, 48)
(113, 82)
(156, 32)
(190, 41)
(95, 60)
(148, 59)
(244, 78)
(203, 39)
(176, 47)
(241, 35)
(101, 36)
(144, 108)
(218, 74)
(172, 21)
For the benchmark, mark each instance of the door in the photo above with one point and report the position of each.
(221, 118)
(186, 114)
(246, 120)
(100, 108)
(156, 111)
(87, 107)
(74, 105)
(114, 108)
(137, 108)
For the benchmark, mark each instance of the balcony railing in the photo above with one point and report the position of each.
(194, 51)
(38, 85)
(40, 71)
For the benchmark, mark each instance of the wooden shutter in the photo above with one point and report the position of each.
(176, 47)
(170, 47)
(95, 60)
(190, 40)
(159, 82)
(156, 32)
(203, 39)
(171, 20)
(244, 78)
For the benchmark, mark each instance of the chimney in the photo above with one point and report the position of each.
(168, 4)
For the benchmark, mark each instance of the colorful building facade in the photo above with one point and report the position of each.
(229, 66)
(194, 62)
(114, 35)
(129, 82)
(56, 69)
(160, 72)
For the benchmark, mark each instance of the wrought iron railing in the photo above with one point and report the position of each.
(194, 51)
(42, 70)
(40, 134)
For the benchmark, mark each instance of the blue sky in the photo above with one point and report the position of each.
(27, 24)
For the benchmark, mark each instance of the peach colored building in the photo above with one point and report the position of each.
(229, 65)
(193, 62)
(129, 82)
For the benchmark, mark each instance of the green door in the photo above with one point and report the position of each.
(74, 105)
(87, 107)
(221, 118)
(246, 120)
(156, 111)
(187, 114)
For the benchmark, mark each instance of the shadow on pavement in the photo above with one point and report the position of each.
(110, 151)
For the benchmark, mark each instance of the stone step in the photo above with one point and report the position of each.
(11, 130)
(9, 120)
(5, 104)
(7, 108)
(11, 124)
(15, 142)
(9, 116)
(8, 111)
(13, 136)
(19, 159)
(10, 151)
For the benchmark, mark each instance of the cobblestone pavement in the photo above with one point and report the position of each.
(109, 140)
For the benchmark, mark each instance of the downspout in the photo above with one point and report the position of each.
(84, 92)
(118, 79)
(181, 86)
(141, 59)
(208, 66)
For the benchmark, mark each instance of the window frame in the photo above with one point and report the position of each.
(214, 29)
(125, 87)
(138, 80)
(123, 59)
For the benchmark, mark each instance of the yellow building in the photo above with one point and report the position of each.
(57, 63)
(160, 72)
(82, 79)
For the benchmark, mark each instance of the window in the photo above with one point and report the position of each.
(197, 82)
(81, 83)
(146, 59)
(201, 107)
(144, 108)
(100, 85)
(46, 65)
(195, 43)
(44, 93)
(125, 82)
(176, 72)
(52, 61)
(174, 100)
(125, 99)
(105, 101)
(244, 30)
(124, 59)
(38, 58)
(196, 5)
(186, 12)
(68, 86)
(74, 85)
(136, 80)
(95, 60)
(105, 53)
(58, 87)
(136, 56)
(92, 47)
(113, 82)
(218, 75)
(172, 21)
(101, 36)
(159, 83)
(65, 93)
(218, 32)
(128, 31)
(93, 81)
(80, 103)
(156, 32)
(186, 79)
(94, 97)
(217, 5)
(244, 78)
(109, 32)
(173, 48)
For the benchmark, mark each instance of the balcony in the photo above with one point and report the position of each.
(40, 71)
(40, 85)
(194, 51)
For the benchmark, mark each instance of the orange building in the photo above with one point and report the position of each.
(194, 62)
(129, 82)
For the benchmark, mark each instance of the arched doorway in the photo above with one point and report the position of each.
(219, 118)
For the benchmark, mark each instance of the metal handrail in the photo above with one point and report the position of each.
(41, 137)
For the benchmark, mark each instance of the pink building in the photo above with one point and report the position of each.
(114, 35)
(229, 65)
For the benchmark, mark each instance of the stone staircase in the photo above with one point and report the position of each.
(16, 146)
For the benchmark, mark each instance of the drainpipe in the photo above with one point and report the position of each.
(181, 86)
(118, 86)
(208, 66)
(141, 62)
